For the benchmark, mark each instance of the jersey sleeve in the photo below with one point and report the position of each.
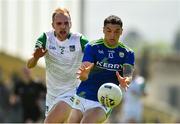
(88, 54)
(41, 42)
(130, 58)
(83, 41)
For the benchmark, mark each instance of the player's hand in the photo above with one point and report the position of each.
(123, 81)
(83, 71)
(39, 53)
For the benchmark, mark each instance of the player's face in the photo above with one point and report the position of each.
(112, 33)
(61, 25)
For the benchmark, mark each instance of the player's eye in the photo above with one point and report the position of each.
(109, 31)
(58, 23)
(117, 31)
(66, 23)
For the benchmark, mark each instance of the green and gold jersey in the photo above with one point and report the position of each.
(62, 61)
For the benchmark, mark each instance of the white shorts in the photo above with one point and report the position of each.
(83, 105)
(67, 97)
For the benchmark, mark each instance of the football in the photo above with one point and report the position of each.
(109, 95)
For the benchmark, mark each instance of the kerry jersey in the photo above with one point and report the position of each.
(62, 61)
(106, 62)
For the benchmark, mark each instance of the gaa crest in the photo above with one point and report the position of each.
(121, 54)
(72, 48)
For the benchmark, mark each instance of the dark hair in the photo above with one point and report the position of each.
(112, 19)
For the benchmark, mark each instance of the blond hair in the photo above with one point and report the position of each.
(60, 11)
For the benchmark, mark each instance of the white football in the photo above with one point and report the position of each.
(109, 95)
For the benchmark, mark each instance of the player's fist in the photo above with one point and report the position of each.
(39, 53)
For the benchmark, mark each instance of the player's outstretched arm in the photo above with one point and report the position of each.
(126, 80)
(84, 70)
(36, 55)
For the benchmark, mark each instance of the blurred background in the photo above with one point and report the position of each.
(150, 27)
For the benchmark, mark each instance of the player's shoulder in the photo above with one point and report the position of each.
(79, 37)
(96, 42)
(122, 45)
(49, 33)
(75, 34)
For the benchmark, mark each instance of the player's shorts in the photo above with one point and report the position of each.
(67, 97)
(83, 105)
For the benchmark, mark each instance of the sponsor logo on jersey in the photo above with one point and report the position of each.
(100, 51)
(52, 47)
(72, 48)
(108, 66)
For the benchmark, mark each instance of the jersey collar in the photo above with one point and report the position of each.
(69, 35)
(109, 46)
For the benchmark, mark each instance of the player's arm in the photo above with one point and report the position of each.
(32, 62)
(128, 68)
(87, 63)
(127, 76)
(39, 51)
(128, 72)
(84, 70)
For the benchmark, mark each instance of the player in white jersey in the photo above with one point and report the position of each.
(132, 106)
(63, 53)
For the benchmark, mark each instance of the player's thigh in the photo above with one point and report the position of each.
(94, 115)
(59, 113)
(75, 116)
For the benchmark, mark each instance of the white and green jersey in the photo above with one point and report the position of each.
(62, 61)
